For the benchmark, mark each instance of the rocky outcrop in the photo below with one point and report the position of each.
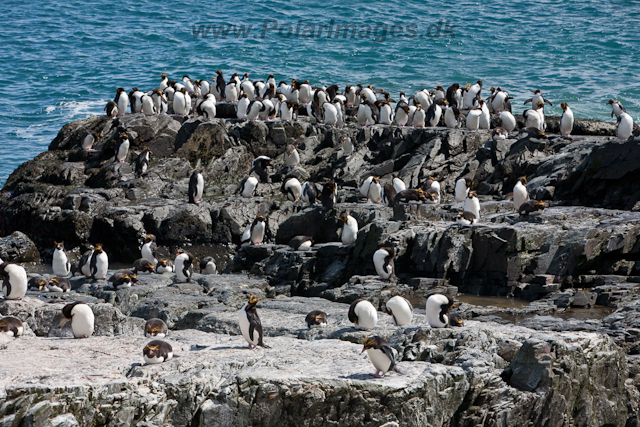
(550, 369)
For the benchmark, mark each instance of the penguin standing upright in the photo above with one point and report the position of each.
(383, 262)
(368, 113)
(250, 324)
(472, 204)
(398, 184)
(122, 148)
(157, 351)
(473, 94)
(155, 328)
(11, 326)
(111, 109)
(148, 105)
(520, 193)
(220, 87)
(260, 166)
(14, 284)
(401, 310)
(122, 101)
(183, 266)
(347, 146)
(380, 354)
(402, 113)
(349, 229)
(625, 126)
(419, 116)
(196, 186)
(256, 232)
(142, 162)
(61, 263)
(462, 189)
(434, 113)
(208, 266)
(437, 310)
(363, 314)
(208, 107)
(180, 103)
(99, 263)
(485, 116)
(148, 249)
(375, 191)
(566, 122)
(473, 118)
(309, 192)
(389, 194)
(291, 157)
(328, 195)
(616, 107)
(366, 184)
(452, 117)
(242, 107)
(537, 99)
(81, 317)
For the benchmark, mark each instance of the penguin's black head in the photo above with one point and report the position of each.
(290, 149)
(260, 218)
(611, 101)
(344, 217)
(472, 194)
(373, 342)
(564, 106)
(456, 320)
(163, 76)
(479, 83)
(253, 300)
(522, 180)
(271, 76)
(98, 247)
(59, 246)
(468, 182)
(540, 105)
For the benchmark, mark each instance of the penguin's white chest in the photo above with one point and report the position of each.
(293, 159)
(123, 149)
(375, 192)
(147, 253)
(249, 187)
(60, 264)
(18, 281)
(350, 232)
(305, 246)
(472, 205)
(102, 265)
(82, 321)
(257, 233)
(243, 319)
(199, 187)
(520, 195)
(379, 360)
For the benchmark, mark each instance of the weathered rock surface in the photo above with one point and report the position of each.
(549, 369)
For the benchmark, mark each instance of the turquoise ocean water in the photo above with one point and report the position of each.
(62, 61)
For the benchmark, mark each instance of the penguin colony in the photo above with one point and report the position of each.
(456, 107)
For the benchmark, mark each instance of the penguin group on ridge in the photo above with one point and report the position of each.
(459, 106)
